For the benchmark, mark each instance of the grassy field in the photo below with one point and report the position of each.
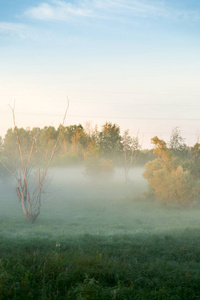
(98, 240)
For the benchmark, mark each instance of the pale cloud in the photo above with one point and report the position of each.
(135, 7)
(65, 11)
(57, 10)
(139, 8)
(17, 30)
(23, 31)
(187, 15)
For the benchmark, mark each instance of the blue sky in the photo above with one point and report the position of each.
(135, 63)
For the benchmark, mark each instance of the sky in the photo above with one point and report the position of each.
(134, 63)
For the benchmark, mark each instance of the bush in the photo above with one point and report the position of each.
(99, 168)
(167, 179)
(176, 188)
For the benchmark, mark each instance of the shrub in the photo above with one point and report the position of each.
(176, 188)
(99, 168)
(167, 179)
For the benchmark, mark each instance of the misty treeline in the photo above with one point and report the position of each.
(27, 154)
(172, 169)
(97, 150)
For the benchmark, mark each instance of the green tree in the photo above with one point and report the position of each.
(95, 165)
(45, 141)
(79, 140)
(74, 139)
(193, 163)
(10, 146)
(92, 151)
(110, 140)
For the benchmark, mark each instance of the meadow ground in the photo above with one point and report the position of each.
(98, 240)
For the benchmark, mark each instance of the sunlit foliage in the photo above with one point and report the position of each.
(95, 164)
(167, 179)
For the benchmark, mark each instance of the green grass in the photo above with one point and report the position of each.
(98, 241)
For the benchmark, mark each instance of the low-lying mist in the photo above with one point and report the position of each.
(74, 203)
(97, 238)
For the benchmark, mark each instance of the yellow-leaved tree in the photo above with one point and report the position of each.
(167, 180)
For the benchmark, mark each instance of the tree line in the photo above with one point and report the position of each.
(27, 154)
(172, 169)
(76, 144)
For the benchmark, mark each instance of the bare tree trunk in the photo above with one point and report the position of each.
(28, 195)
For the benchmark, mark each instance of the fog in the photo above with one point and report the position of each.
(75, 204)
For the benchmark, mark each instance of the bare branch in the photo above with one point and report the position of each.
(9, 171)
(55, 147)
(31, 200)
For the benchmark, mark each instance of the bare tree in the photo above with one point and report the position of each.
(29, 191)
